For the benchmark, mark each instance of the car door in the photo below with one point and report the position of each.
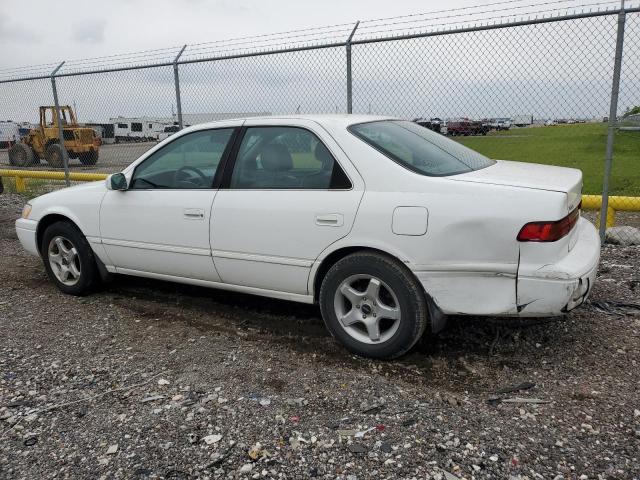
(288, 193)
(160, 224)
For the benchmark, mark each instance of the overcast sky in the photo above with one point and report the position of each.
(28, 31)
(552, 70)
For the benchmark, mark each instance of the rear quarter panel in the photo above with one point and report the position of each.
(468, 258)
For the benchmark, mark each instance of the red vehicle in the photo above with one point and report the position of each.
(467, 127)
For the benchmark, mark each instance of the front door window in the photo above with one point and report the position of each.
(189, 162)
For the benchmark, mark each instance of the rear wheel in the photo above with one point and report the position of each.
(373, 305)
(54, 155)
(68, 258)
(21, 155)
(89, 158)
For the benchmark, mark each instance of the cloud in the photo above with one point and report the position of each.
(12, 32)
(89, 31)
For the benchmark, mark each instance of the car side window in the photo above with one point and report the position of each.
(189, 162)
(285, 158)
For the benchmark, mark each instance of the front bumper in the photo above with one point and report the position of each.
(553, 289)
(26, 231)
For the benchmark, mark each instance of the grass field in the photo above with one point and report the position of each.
(579, 146)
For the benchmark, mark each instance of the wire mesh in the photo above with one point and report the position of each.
(19, 111)
(519, 80)
(624, 215)
(308, 81)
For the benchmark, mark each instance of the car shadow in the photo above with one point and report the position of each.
(511, 342)
(241, 310)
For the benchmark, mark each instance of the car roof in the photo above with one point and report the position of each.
(335, 120)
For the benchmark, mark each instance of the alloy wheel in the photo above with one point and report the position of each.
(367, 309)
(64, 260)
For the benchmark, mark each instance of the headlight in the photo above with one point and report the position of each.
(26, 210)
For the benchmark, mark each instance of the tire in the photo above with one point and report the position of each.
(54, 155)
(89, 158)
(399, 308)
(65, 249)
(21, 155)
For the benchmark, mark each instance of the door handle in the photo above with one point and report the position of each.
(330, 220)
(193, 213)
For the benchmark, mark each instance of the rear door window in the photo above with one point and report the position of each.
(419, 149)
(285, 158)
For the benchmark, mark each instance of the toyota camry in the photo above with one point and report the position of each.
(388, 226)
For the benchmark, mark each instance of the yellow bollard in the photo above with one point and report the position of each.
(21, 184)
(611, 216)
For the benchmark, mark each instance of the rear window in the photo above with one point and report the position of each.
(419, 149)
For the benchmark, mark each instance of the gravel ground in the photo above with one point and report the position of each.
(148, 379)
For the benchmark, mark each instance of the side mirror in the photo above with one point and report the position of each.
(117, 181)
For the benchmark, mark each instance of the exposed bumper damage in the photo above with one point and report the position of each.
(537, 289)
(553, 289)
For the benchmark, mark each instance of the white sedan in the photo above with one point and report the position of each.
(387, 225)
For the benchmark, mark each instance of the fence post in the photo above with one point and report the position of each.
(176, 78)
(613, 120)
(65, 155)
(349, 79)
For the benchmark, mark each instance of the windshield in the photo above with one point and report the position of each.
(419, 149)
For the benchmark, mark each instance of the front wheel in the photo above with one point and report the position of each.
(21, 155)
(373, 305)
(68, 258)
(54, 154)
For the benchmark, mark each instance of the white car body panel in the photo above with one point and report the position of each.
(457, 234)
(159, 231)
(282, 232)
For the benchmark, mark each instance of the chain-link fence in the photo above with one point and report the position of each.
(559, 87)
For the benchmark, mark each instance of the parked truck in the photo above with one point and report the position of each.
(522, 120)
(467, 127)
(500, 123)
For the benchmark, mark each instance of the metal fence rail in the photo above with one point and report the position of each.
(469, 67)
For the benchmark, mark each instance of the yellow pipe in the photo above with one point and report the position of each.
(75, 176)
(616, 203)
(627, 204)
(592, 202)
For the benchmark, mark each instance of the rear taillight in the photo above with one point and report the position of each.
(549, 231)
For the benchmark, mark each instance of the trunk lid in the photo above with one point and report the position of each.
(530, 175)
(536, 176)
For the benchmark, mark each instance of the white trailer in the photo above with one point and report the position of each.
(9, 134)
(168, 131)
(141, 129)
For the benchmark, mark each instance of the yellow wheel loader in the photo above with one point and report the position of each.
(42, 142)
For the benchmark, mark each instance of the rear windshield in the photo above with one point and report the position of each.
(419, 149)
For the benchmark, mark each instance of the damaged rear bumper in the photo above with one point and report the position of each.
(554, 289)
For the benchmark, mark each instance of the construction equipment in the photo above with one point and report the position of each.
(43, 142)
